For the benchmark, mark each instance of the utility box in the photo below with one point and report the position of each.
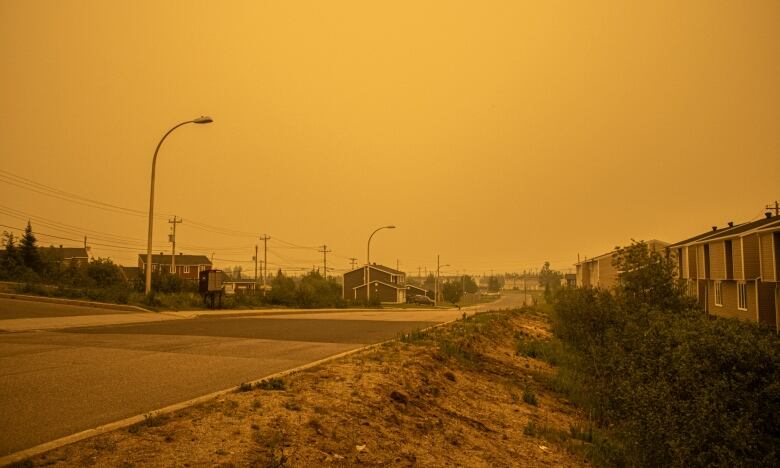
(210, 281)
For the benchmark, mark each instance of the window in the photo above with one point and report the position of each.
(718, 293)
(742, 296)
(186, 269)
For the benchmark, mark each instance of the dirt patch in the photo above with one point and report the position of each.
(459, 395)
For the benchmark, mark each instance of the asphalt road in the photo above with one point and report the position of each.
(58, 382)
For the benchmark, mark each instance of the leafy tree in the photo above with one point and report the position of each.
(104, 273)
(282, 290)
(29, 251)
(452, 291)
(11, 259)
(549, 279)
(469, 284)
(494, 283)
(430, 282)
(316, 291)
(646, 277)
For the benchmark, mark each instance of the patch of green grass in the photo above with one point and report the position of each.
(549, 351)
(414, 336)
(544, 431)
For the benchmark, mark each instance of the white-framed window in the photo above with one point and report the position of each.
(186, 268)
(742, 296)
(718, 293)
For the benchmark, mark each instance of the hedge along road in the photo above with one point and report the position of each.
(56, 383)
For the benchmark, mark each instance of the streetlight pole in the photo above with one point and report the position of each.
(436, 294)
(367, 274)
(199, 120)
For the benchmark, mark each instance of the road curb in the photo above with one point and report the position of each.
(22, 455)
(75, 302)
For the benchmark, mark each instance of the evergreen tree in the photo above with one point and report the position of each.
(29, 251)
(11, 260)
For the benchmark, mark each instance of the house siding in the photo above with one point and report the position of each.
(767, 313)
(752, 262)
(767, 261)
(692, 264)
(736, 246)
(717, 261)
(607, 273)
(701, 263)
(729, 307)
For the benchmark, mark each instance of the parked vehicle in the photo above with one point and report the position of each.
(421, 299)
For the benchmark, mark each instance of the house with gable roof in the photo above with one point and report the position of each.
(385, 283)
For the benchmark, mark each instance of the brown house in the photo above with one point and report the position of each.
(598, 272)
(187, 266)
(66, 256)
(387, 284)
(733, 271)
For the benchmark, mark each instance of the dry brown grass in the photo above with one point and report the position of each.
(451, 397)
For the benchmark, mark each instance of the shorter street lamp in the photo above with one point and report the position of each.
(368, 261)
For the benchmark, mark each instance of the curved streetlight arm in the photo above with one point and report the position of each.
(148, 288)
(367, 275)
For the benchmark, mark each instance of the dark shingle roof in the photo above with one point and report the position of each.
(742, 228)
(392, 271)
(181, 259)
(65, 253)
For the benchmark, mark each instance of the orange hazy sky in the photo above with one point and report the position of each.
(497, 134)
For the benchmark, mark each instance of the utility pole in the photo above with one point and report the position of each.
(419, 273)
(353, 262)
(775, 208)
(172, 240)
(265, 258)
(436, 284)
(325, 260)
(255, 259)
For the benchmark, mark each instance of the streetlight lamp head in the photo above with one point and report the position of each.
(203, 119)
(390, 226)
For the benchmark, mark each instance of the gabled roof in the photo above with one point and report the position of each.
(184, 260)
(389, 270)
(411, 286)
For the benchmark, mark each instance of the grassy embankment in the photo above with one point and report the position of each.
(471, 393)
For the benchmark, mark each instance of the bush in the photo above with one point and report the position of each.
(676, 387)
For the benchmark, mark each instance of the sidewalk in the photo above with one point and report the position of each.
(54, 323)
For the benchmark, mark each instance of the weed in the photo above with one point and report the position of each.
(150, 420)
(245, 387)
(530, 397)
(315, 424)
(292, 405)
(274, 383)
(414, 336)
(544, 431)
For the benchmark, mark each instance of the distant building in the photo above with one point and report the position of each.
(66, 256)
(733, 271)
(598, 272)
(240, 286)
(187, 266)
(387, 284)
